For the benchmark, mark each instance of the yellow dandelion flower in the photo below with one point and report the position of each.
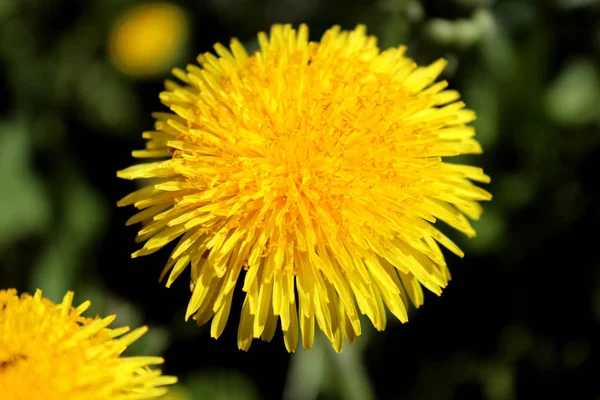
(317, 169)
(146, 39)
(50, 351)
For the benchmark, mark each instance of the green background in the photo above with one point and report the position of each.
(519, 319)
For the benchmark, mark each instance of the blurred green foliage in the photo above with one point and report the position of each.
(530, 69)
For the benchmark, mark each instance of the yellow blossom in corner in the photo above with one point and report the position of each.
(313, 172)
(50, 351)
(147, 38)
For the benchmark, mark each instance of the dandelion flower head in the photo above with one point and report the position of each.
(313, 173)
(147, 38)
(50, 351)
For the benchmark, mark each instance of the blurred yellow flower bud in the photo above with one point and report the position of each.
(146, 39)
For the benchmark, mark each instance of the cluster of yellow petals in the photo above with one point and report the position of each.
(50, 351)
(315, 167)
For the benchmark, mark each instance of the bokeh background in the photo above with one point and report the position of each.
(520, 319)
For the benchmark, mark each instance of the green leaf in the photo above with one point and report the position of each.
(490, 232)
(178, 392)
(23, 202)
(514, 190)
(106, 101)
(82, 218)
(222, 385)
(461, 32)
(307, 372)
(54, 270)
(573, 97)
(481, 95)
(351, 377)
(497, 50)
